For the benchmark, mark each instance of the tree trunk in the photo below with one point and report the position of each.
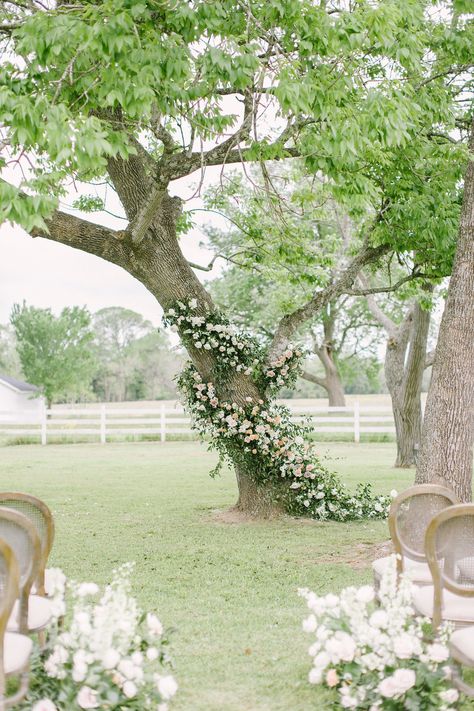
(448, 430)
(258, 501)
(410, 415)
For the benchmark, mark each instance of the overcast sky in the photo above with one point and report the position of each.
(47, 274)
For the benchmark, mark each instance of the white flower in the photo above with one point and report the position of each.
(321, 660)
(87, 589)
(193, 303)
(397, 684)
(378, 619)
(127, 668)
(79, 672)
(87, 698)
(394, 493)
(166, 685)
(365, 594)
(44, 705)
(110, 659)
(310, 624)
(450, 696)
(129, 689)
(438, 652)
(154, 625)
(406, 646)
(137, 658)
(152, 654)
(315, 675)
(198, 344)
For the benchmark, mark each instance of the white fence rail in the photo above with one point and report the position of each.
(109, 423)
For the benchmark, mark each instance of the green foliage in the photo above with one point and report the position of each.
(9, 361)
(55, 351)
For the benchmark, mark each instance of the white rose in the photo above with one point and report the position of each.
(310, 624)
(315, 676)
(348, 702)
(404, 679)
(388, 688)
(110, 659)
(167, 686)
(365, 594)
(450, 696)
(127, 668)
(44, 705)
(438, 652)
(347, 646)
(321, 660)
(331, 600)
(79, 672)
(137, 658)
(129, 689)
(87, 589)
(87, 698)
(378, 619)
(162, 707)
(154, 625)
(394, 493)
(406, 646)
(152, 654)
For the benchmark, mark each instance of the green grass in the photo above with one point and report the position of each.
(229, 589)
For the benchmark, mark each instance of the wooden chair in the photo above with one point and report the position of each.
(40, 515)
(30, 613)
(410, 513)
(450, 553)
(15, 649)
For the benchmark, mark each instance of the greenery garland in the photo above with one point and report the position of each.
(259, 435)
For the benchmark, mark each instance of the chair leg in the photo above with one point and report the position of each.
(42, 639)
(459, 682)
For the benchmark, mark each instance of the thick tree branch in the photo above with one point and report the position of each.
(306, 375)
(290, 323)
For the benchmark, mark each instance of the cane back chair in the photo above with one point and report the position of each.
(450, 555)
(30, 613)
(15, 649)
(40, 515)
(410, 513)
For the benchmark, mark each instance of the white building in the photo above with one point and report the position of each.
(19, 401)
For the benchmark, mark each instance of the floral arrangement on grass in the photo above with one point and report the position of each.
(258, 433)
(378, 656)
(110, 656)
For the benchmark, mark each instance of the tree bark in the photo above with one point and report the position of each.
(258, 501)
(448, 429)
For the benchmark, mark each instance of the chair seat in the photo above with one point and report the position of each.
(455, 607)
(39, 614)
(417, 572)
(462, 644)
(16, 651)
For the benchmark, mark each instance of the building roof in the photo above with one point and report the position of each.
(18, 385)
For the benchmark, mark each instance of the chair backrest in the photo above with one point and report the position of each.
(410, 513)
(21, 535)
(9, 586)
(449, 545)
(40, 515)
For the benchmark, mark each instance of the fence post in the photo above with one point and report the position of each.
(163, 424)
(103, 425)
(356, 421)
(44, 422)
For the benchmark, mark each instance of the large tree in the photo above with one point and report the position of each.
(143, 94)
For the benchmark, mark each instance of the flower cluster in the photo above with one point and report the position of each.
(211, 332)
(55, 588)
(263, 437)
(112, 656)
(378, 656)
(283, 369)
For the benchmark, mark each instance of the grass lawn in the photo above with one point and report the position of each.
(228, 589)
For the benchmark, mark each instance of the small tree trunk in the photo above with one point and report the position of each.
(410, 415)
(448, 430)
(335, 389)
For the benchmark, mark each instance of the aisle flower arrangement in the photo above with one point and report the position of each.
(110, 655)
(378, 656)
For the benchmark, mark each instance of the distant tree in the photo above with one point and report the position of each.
(153, 365)
(9, 361)
(55, 351)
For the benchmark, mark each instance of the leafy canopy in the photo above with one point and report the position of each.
(55, 351)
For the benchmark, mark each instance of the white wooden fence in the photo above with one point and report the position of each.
(108, 423)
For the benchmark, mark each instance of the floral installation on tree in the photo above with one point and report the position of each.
(379, 655)
(111, 655)
(259, 435)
